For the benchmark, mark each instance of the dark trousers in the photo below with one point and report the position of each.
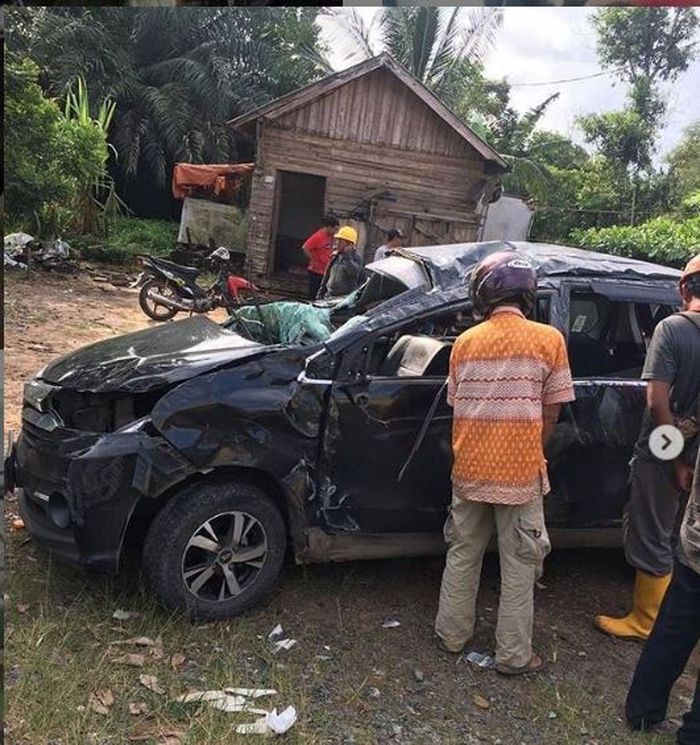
(314, 284)
(664, 656)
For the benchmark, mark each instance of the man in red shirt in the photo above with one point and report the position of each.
(318, 248)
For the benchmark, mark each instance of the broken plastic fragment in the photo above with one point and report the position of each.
(271, 724)
(480, 659)
(124, 615)
(276, 633)
(234, 704)
(201, 696)
(286, 644)
(251, 692)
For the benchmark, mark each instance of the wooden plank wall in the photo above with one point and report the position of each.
(373, 133)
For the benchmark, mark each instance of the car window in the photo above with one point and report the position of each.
(610, 337)
(420, 348)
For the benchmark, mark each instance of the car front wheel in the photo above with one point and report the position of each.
(215, 550)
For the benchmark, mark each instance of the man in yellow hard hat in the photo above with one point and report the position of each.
(657, 487)
(345, 268)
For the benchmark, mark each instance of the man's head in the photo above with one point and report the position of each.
(329, 224)
(503, 278)
(689, 285)
(394, 238)
(345, 239)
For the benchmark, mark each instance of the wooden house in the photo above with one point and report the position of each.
(372, 145)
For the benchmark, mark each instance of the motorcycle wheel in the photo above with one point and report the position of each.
(150, 307)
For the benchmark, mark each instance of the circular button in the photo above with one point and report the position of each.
(666, 442)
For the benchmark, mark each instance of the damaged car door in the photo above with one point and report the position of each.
(384, 388)
(609, 326)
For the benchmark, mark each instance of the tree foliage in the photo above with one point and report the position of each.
(645, 47)
(684, 162)
(175, 76)
(48, 157)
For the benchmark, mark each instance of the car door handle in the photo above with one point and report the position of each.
(361, 400)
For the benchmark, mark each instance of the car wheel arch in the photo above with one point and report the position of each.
(146, 509)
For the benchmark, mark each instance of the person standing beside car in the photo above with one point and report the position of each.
(394, 239)
(674, 636)
(318, 248)
(650, 521)
(507, 380)
(345, 267)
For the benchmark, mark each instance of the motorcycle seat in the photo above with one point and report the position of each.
(188, 271)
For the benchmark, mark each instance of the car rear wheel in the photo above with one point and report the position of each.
(215, 550)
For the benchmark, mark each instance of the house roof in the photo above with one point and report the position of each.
(296, 99)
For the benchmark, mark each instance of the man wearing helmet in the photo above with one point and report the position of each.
(508, 378)
(343, 273)
(672, 369)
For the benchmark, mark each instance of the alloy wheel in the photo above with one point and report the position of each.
(224, 556)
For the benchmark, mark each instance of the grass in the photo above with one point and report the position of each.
(60, 653)
(59, 630)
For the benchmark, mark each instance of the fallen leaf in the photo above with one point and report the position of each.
(22, 607)
(177, 661)
(173, 737)
(18, 524)
(151, 682)
(137, 708)
(481, 702)
(101, 701)
(134, 660)
(105, 696)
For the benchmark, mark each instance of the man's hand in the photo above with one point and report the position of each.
(684, 475)
(550, 416)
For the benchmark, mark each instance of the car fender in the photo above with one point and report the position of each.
(257, 417)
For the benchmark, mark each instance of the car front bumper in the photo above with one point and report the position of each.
(77, 491)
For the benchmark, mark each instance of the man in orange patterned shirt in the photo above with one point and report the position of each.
(508, 379)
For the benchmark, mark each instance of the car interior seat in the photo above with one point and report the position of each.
(415, 356)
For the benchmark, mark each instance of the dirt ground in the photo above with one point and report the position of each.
(351, 680)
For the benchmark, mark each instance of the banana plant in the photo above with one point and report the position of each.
(98, 202)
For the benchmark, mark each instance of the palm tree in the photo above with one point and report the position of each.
(512, 137)
(175, 76)
(438, 46)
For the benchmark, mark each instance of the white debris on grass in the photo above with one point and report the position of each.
(236, 700)
(124, 615)
(390, 623)
(271, 724)
(279, 642)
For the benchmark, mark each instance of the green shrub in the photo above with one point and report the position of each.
(664, 240)
(130, 236)
(126, 238)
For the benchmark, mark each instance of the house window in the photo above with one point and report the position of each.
(299, 207)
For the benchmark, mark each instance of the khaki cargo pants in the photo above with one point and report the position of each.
(523, 544)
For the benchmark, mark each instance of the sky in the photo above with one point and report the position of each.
(544, 44)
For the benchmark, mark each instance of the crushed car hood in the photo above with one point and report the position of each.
(150, 358)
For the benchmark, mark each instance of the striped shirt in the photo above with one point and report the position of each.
(502, 372)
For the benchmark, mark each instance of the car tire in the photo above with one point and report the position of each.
(189, 573)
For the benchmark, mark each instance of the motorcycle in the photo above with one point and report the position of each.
(167, 288)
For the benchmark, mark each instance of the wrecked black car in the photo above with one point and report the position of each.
(215, 448)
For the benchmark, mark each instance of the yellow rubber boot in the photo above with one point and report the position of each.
(649, 591)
